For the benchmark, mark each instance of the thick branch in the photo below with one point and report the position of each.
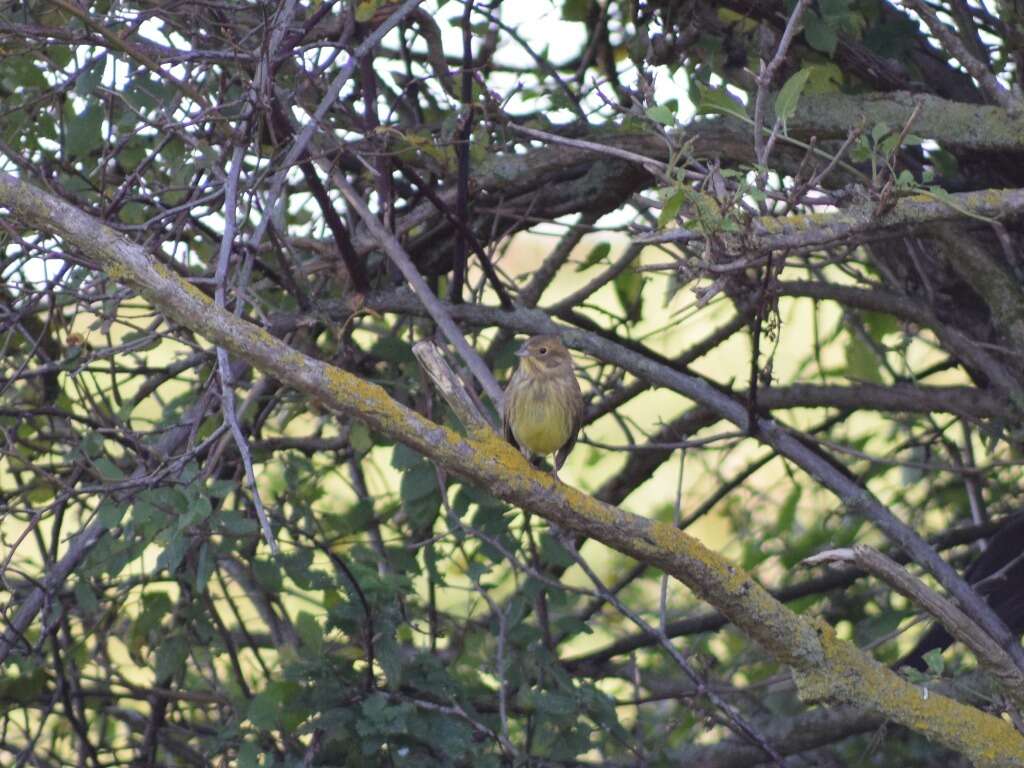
(710, 621)
(857, 223)
(962, 628)
(953, 124)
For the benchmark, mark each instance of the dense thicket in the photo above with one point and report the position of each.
(782, 239)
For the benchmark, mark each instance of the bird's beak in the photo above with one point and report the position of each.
(522, 351)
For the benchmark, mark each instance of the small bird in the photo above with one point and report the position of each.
(543, 403)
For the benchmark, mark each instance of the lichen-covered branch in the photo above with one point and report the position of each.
(892, 573)
(858, 223)
(950, 123)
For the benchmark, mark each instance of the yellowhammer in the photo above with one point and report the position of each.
(543, 403)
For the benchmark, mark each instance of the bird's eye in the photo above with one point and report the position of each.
(542, 351)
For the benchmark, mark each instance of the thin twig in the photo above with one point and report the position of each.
(394, 250)
(653, 166)
(329, 100)
(543, 275)
(764, 82)
(955, 46)
(223, 362)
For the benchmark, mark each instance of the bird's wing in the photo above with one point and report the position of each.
(577, 424)
(506, 426)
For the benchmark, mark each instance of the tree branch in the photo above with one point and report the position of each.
(855, 224)
(962, 628)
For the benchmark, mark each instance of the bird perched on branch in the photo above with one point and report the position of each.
(543, 403)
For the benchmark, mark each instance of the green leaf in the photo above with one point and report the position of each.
(819, 34)
(393, 350)
(233, 523)
(84, 132)
(628, 288)
(25, 688)
(170, 657)
(752, 554)
(861, 150)
(22, 72)
(155, 605)
(85, 598)
(92, 444)
(204, 567)
(450, 736)
(380, 717)
(12, 129)
(389, 656)
(876, 627)
(879, 324)
(110, 513)
(91, 76)
(559, 741)
(356, 518)
(248, 755)
(553, 553)
(936, 664)
(788, 98)
(597, 254)
(879, 131)
(558, 704)
(906, 180)
(267, 574)
(418, 482)
(825, 78)
(800, 547)
(670, 208)
(145, 93)
(421, 496)
(575, 10)
(719, 101)
(834, 8)
(59, 54)
(946, 163)
(861, 362)
(142, 340)
(602, 708)
(492, 520)
(309, 632)
(423, 512)
(404, 457)
(197, 510)
(787, 512)
(107, 469)
(297, 565)
(173, 553)
(265, 708)
(661, 114)
(359, 437)
(889, 144)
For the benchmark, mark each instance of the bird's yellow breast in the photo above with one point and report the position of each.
(540, 417)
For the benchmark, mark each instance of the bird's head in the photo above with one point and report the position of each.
(544, 355)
